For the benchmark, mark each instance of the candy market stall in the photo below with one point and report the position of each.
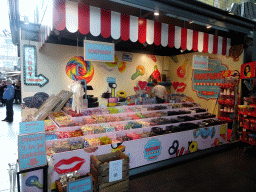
(145, 133)
(247, 109)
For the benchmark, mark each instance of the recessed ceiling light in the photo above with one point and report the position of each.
(208, 26)
(231, 13)
(156, 13)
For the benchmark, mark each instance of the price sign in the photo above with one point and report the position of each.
(115, 170)
(31, 150)
(81, 185)
(31, 127)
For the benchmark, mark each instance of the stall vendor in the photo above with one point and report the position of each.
(159, 92)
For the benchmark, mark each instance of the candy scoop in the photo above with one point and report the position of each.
(33, 181)
(140, 70)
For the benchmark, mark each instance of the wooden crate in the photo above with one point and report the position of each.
(100, 172)
(61, 189)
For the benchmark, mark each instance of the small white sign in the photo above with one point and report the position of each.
(115, 170)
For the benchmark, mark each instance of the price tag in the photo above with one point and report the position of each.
(115, 170)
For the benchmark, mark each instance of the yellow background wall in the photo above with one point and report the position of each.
(209, 104)
(52, 60)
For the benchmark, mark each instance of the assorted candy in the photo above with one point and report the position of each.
(61, 146)
(63, 134)
(105, 140)
(76, 133)
(91, 142)
(74, 145)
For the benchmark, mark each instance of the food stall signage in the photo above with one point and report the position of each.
(31, 150)
(200, 62)
(99, 51)
(30, 68)
(206, 82)
(31, 127)
(83, 185)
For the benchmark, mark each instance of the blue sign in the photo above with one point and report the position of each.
(127, 57)
(81, 185)
(31, 127)
(206, 83)
(200, 62)
(99, 51)
(30, 68)
(31, 150)
(111, 80)
(152, 149)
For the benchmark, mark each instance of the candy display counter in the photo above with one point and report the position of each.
(147, 134)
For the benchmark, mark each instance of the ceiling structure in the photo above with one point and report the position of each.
(183, 13)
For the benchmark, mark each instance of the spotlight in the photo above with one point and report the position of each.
(190, 21)
(182, 50)
(156, 13)
(208, 26)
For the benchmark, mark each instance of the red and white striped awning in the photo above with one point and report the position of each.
(81, 17)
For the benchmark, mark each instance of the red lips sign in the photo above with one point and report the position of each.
(76, 161)
(179, 87)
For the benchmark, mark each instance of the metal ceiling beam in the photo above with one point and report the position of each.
(205, 14)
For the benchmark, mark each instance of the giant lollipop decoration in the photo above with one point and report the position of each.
(77, 69)
(33, 181)
(140, 70)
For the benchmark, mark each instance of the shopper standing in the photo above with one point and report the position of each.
(2, 87)
(8, 96)
(159, 92)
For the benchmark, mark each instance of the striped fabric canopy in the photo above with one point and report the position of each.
(86, 19)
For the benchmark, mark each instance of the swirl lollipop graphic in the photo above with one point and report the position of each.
(77, 69)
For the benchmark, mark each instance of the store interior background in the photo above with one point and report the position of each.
(52, 60)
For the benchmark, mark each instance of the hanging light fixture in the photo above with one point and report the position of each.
(208, 26)
(156, 13)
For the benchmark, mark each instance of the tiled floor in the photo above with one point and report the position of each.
(8, 142)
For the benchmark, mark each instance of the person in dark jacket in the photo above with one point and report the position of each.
(9, 96)
(2, 87)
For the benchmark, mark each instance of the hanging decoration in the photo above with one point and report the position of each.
(122, 67)
(175, 59)
(113, 64)
(181, 71)
(77, 69)
(179, 87)
(140, 70)
(153, 57)
(156, 74)
(142, 84)
(136, 89)
(236, 51)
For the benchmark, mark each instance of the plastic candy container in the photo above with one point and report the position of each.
(89, 121)
(63, 134)
(133, 135)
(59, 114)
(105, 140)
(61, 146)
(92, 142)
(76, 133)
(98, 130)
(87, 130)
(50, 136)
(74, 145)
(118, 127)
(108, 128)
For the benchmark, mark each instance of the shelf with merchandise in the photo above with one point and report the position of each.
(114, 135)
